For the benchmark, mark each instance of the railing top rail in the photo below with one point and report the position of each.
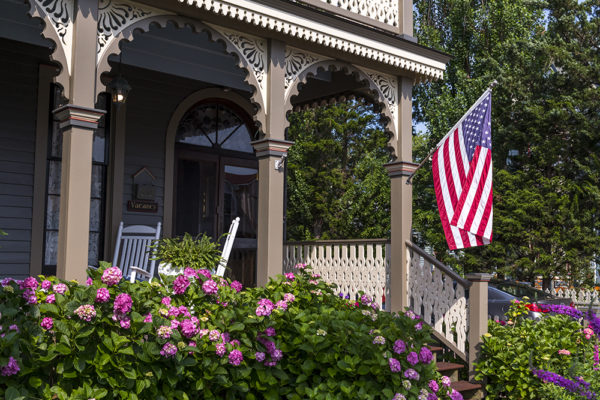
(439, 265)
(338, 241)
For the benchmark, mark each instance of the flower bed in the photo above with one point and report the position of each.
(555, 358)
(203, 336)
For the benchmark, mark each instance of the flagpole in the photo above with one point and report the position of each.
(488, 90)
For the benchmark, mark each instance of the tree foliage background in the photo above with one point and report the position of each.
(545, 128)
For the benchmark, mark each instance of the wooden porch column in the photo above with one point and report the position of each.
(401, 199)
(270, 208)
(271, 150)
(78, 121)
(405, 19)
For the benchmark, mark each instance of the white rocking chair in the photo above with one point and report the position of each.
(132, 253)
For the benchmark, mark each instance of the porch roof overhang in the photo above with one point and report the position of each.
(301, 24)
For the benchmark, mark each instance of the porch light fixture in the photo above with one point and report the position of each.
(119, 89)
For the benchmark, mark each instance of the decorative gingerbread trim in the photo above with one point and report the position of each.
(387, 86)
(296, 61)
(59, 14)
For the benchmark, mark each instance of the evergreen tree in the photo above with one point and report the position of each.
(545, 128)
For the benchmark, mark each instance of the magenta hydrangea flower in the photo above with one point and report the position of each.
(425, 355)
(205, 272)
(225, 337)
(173, 311)
(86, 312)
(168, 350)
(102, 295)
(281, 305)
(148, 318)
(190, 272)
(290, 276)
(288, 297)
(214, 335)
(166, 301)
(47, 323)
(125, 323)
(30, 283)
(394, 365)
(276, 355)
(456, 395)
(13, 327)
(122, 303)
(399, 347)
(237, 286)
(412, 358)
(433, 385)
(411, 374)
(220, 349)
(51, 298)
(188, 328)
(60, 288)
(174, 324)
(89, 281)
(419, 326)
(111, 276)
(270, 331)
(181, 284)
(379, 340)
(46, 284)
(210, 287)
(265, 307)
(11, 368)
(366, 299)
(235, 343)
(446, 381)
(399, 396)
(235, 357)
(432, 396)
(6, 281)
(260, 356)
(164, 332)
(183, 310)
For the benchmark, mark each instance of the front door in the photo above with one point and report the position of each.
(216, 181)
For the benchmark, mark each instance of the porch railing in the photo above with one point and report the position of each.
(580, 298)
(380, 13)
(438, 295)
(353, 265)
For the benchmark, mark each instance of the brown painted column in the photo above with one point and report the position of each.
(78, 121)
(270, 207)
(478, 316)
(78, 124)
(401, 198)
(405, 18)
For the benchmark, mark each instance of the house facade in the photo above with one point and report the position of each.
(201, 137)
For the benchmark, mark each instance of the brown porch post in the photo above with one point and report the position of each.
(478, 316)
(405, 18)
(401, 199)
(269, 151)
(78, 121)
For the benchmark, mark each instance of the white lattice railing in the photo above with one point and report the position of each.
(384, 11)
(437, 294)
(580, 298)
(353, 265)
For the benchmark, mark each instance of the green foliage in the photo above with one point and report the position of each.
(510, 352)
(187, 251)
(545, 129)
(337, 185)
(326, 342)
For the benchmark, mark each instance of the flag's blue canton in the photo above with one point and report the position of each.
(476, 127)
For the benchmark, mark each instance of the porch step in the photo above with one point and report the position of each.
(467, 389)
(449, 369)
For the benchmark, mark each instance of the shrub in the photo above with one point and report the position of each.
(187, 251)
(555, 357)
(199, 336)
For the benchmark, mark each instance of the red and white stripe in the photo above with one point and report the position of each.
(464, 192)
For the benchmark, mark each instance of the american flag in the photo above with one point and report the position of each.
(462, 177)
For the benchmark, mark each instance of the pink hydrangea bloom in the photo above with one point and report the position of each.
(412, 358)
(205, 272)
(111, 276)
(168, 350)
(203, 332)
(379, 340)
(446, 381)
(394, 365)
(164, 332)
(190, 272)
(13, 327)
(6, 281)
(564, 352)
(51, 298)
(122, 303)
(225, 337)
(588, 332)
(263, 311)
(12, 368)
(102, 295)
(419, 326)
(46, 284)
(86, 312)
(173, 312)
(260, 356)
(288, 297)
(220, 349)
(411, 374)
(425, 355)
(433, 385)
(234, 343)
(30, 283)
(237, 286)
(276, 355)
(210, 287)
(290, 276)
(175, 324)
(166, 301)
(300, 266)
(270, 331)
(60, 288)
(89, 281)
(366, 299)
(214, 335)
(399, 347)
(47, 323)
(125, 323)
(281, 305)
(148, 318)
(235, 357)
(188, 328)
(183, 310)
(181, 284)
(315, 276)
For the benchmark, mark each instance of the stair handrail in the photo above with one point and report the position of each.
(447, 270)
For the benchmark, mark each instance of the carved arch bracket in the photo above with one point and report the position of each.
(115, 16)
(387, 87)
(296, 61)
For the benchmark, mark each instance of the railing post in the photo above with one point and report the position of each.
(478, 316)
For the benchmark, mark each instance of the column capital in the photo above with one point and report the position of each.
(271, 147)
(479, 277)
(400, 168)
(71, 115)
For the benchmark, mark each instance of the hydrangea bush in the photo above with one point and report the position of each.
(201, 336)
(554, 358)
